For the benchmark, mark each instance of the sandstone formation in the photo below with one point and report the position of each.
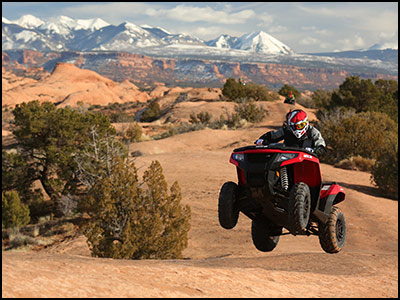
(68, 85)
(143, 70)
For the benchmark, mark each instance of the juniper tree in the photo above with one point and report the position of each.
(13, 212)
(133, 220)
(48, 139)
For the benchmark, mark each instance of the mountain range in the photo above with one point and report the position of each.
(63, 33)
(94, 44)
(67, 34)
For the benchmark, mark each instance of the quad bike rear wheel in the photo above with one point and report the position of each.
(262, 238)
(332, 234)
(299, 207)
(228, 214)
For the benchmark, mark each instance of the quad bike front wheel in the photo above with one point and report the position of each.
(262, 238)
(332, 234)
(299, 207)
(228, 214)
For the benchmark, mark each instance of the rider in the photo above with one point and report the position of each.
(296, 132)
(291, 96)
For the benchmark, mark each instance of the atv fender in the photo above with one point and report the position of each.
(331, 193)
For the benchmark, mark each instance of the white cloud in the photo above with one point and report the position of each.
(309, 41)
(357, 42)
(207, 33)
(192, 14)
(277, 29)
(113, 12)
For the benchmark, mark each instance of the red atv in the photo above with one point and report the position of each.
(281, 187)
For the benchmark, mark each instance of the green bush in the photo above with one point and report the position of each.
(120, 117)
(284, 91)
(13, 212)
(364, 95)
(385, 171)
(250, 112)
(234, 91)
(256, 92)
(201, 118)
(151, 113)
(134, 132)
(349, 134)
(132, 220)
(322, 99)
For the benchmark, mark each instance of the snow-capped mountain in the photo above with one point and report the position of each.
(5, 20)
(67, 34)
(261, 42)
(29, 21)
(126, 37)
(258, 42)
(64, 33)
(223, 41)
(65, 26)
(384, 46)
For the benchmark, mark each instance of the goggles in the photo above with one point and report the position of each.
(299, 126)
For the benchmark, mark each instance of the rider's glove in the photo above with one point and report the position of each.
(320, 150)
(259, 142)
(265, 139)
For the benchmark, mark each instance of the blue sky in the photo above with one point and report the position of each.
(303, 26)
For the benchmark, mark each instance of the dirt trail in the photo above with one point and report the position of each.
(219, 262)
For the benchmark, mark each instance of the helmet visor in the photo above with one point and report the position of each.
(299, 125)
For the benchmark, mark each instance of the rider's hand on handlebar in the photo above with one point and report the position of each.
(259, 142)
(320, 150)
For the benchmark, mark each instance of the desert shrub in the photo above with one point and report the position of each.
(356, 163)
(364, 95)
(231, 121)
(38, 207)
(120, 117)
(250, 112)
(306, 101)
(179, 129)
(385, 171)
(151, 113)
(134, 132)
(13, 212)
(234, 91)
(256, 92)
(19, 240)
(132, 220)
(350, 134)
(202, 118)
(321, 98)
(67, 205)
(286, 88)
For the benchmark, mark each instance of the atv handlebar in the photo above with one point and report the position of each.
(278, 146)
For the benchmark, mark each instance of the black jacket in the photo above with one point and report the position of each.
(311, 139)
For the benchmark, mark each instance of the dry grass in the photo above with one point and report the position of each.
(356, 163)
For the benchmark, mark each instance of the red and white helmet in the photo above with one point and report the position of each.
(297, 121)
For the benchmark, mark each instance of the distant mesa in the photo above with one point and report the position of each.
(68, 85)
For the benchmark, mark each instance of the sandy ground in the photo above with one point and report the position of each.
(219, 262)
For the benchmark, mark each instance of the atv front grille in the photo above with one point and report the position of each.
(257, 157)
(255, 179)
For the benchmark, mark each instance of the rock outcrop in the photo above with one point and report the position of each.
(68, 85)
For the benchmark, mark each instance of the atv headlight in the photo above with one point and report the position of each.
(238, 157)
(286, 156)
